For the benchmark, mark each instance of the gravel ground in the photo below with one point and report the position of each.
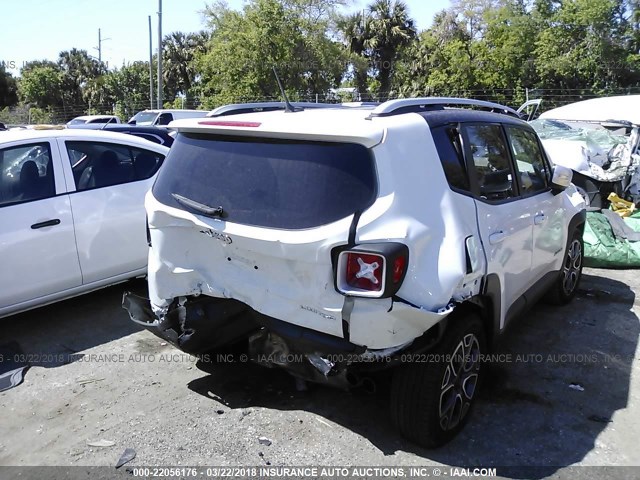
(565, 393)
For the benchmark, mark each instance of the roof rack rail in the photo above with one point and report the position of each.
(406, 105)
(238, 108)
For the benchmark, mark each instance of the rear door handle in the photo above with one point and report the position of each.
(48, 223)
(540, 218)
(497, 237)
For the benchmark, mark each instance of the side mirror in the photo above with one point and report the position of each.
(561, 178)
(131, 122)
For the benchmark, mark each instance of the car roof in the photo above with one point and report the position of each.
(116, 127)
(437, 118)
(172, 110)
(357, 123)
(93, 117)
(96, 135)
(622, 107)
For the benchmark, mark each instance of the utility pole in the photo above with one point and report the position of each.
(99, 47)
(159, 54)
(150, 66)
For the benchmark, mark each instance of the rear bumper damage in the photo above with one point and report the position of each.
(202, 324)
(194, 325)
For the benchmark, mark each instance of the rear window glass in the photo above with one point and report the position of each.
(447, 140)
(270, 183)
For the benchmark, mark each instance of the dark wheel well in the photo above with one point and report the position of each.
(482, 306)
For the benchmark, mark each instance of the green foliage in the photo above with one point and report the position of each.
(375, 42)
(246, 45)
(41, 115)
(581, 46)
(502, 47)
(179, 65)
(8, 88)
(77, 69)
(177, 103)
(442, 60)
(41, 85)
(59, 88)
(492, 49)
(129, 88)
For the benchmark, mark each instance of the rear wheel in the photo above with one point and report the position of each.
(566, 286)
(431, 402)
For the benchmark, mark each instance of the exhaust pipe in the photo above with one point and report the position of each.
(353, 380)
(366, 383)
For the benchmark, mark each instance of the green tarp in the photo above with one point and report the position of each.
(603, 249)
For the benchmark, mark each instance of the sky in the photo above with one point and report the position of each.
(41, 29)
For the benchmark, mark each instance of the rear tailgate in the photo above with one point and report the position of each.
(255, 220)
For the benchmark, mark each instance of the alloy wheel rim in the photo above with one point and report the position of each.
(571, 267)
(459, 382)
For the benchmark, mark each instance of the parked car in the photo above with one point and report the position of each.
(164, 117)
(158, 135)
(337, 241)
(85, 119)
(599, 139)
(72, 215)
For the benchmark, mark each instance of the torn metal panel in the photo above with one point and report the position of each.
(470, 285)
(194, 324)
(372, 355)
(592, 151)
(378, 327)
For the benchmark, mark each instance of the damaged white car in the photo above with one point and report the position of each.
(599, 139)
(359, 238)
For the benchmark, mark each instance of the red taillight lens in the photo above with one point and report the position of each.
(364, 271)
(373, 270)
(399, 266)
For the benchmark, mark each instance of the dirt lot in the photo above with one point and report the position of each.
(97, 376)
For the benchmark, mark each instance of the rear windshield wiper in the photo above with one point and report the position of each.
(217, 212)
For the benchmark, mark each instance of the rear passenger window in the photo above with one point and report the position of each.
(447, 140)
(530, 164)
(491, 162)
(164, 119)
(97, 164)
(26, 174)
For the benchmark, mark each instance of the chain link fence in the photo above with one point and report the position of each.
(551, 98)
(31, 115)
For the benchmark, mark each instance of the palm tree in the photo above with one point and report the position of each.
(391, 29)
(356, 35)
(178, 55)
(375, 41)
(77, 69)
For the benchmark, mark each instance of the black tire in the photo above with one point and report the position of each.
(566, 286)
(419, 390)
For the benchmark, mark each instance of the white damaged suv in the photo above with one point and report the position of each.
(405, 235)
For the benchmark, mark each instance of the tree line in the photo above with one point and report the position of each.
(496, 49)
